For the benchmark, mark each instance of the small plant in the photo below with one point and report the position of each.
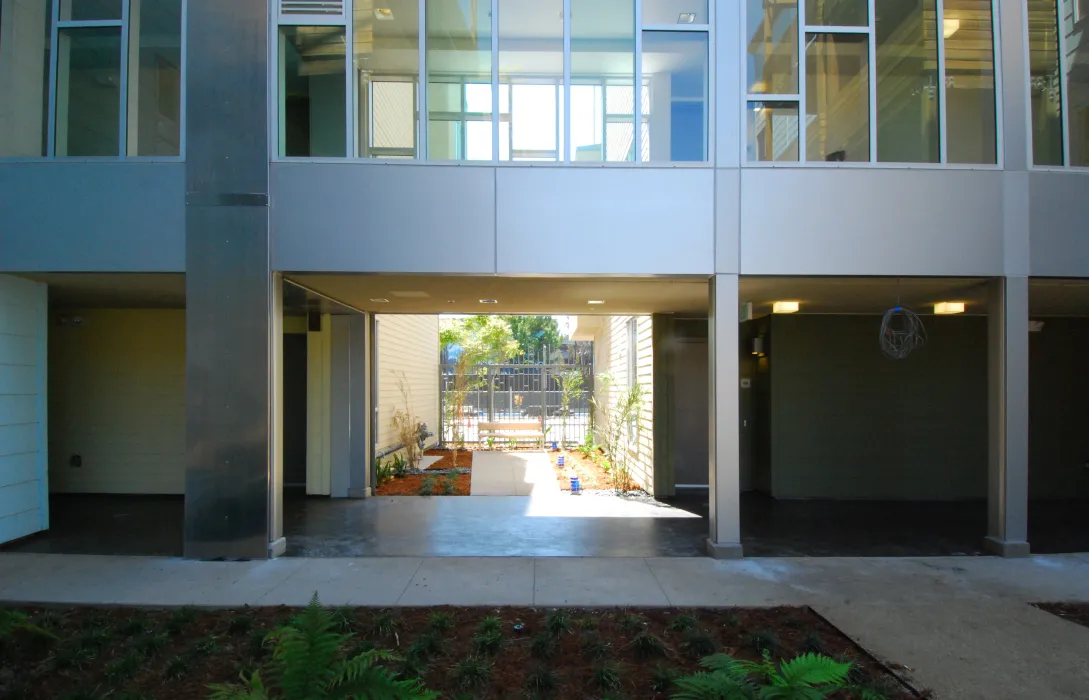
(427, 488)
(490, 441)
(383, 471)
(587, 623)
(239, 624)
(426, 646)
(632, 623)
(150, 644)
(472, 672)
(74, 656)
(488, 643)
(93, 639)
(180, 619)
(344, 619)
(412, 666)
(490, 623)
(647, 645)
(441, 621)
(384, 624)
(123, 667)
(542, 680)
(731, 621)
(399, 466)
(593, 647)
(606, 677)
(543, 646)
(763, 641)
(556, 623)
(663, 678)
(699, 642)
(806, 677)
(588, 448)
(449, 485)
(133, 627)
(681, 623)
(176, 668)
(813, 642)
(512, 443)
(207, 646)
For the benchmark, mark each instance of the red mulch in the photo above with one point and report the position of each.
(591, 475)
(212, 646)
(409, 485)
(1075, 612)
(464, 459)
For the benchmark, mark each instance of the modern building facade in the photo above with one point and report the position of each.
(194, 154)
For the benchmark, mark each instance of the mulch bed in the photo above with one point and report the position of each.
(1075, 612)
(464, 459)
(164, 654)
(591, 476)
(409, 485)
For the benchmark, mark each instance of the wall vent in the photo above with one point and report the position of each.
(311, 11)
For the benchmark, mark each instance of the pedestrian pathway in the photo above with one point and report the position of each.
(512, 474)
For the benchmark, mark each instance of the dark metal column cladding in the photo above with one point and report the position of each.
(228, 282)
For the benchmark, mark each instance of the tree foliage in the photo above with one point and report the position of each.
(534, 333)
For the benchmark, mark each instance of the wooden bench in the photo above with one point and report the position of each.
(518, 430)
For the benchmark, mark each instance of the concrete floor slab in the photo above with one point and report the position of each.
(373, 581)
(596, 582)
(471, 581)
(512, 474)
(713, 582)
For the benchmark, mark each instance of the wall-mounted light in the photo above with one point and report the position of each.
(758, 346)
(950, 27)
(943, 308)
(1036, 326)
(785, 307)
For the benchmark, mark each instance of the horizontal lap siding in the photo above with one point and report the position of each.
(611, 355)
(408, 345)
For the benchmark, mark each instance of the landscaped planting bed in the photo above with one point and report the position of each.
(592, 476)
(458, 652)
(411, 485)
(446, 461)
(1075, 612)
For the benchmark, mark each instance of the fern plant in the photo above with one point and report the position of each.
(308, 661)
(806, 677)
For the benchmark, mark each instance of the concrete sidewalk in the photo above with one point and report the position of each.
(961, 624)
(512, 474)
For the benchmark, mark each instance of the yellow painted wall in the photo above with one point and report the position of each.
(117, 399)
(611, 352)
(408, 345)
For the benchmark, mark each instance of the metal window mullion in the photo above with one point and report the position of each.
(495, 81)
(678, 27)
(422, 118)
(182, 97)
(996, 52)
(94, 23)
(802, 107)
(351, 94)
(758, 97)
(871, 58)
(1060, 31)
(123, 117)
(939, 29)
(710, 108)
(566, 155)
(637, 89)
(54, 56)
(838, 29)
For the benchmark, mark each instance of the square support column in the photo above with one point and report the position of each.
(362, 440)
(724, 539)
(1007, 416)
(340, 405)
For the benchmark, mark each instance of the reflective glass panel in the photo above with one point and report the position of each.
(837, 98)
(908, 126)
(674, 12)
(531, 77)
(772, 38)
(1045, 83)
(24, 78)
(772, 131)
(312, 92)
(459, 74)
(602, 75)
(969, 82)
(386, 61)
(81, 10)
(89, 92)
(675, 73)
(836, 13)
(1075, 18)
(154, 91)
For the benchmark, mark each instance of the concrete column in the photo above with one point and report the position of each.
(340, 405)
(724, 540)
(1008, 416)
(361, 449)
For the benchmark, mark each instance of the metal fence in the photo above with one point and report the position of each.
(510, 393)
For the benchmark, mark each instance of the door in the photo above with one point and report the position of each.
(295, 409)
(692, 416)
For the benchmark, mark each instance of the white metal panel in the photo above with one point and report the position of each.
(1058, 212)
(727, 220)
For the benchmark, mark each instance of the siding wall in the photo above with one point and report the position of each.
(23, 327)
(611, 353)
(409, 345)
(117, 399)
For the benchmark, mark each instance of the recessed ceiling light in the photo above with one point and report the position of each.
(489, 301)
(596, 301)
(950, 27)
(410, 295)
(949, 307)
(380, 301)
(686, 18)
(451, 301)
(383, 13)
(785, 307)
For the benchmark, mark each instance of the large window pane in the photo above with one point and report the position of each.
(908, 128)
(837, 98)
(531, 71)
(772, 131)
(969, 76)
(675, 71)
(675, 12)
(602, 75)
(386, 62)
(1044, 83)
(1075, 14)
(772, 36)
(154, 93)
(312, 92)
(459, 75)
(89, 92)
(836, 13)
(79, 10)
(24, 78)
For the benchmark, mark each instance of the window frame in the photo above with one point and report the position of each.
(1079, 12)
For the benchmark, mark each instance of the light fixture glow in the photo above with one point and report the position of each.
(489, 301)
(950, 27)
(383, 13)
(949, 307)
(380, 301)
(686, 18)
(785, 307)
(596, 301)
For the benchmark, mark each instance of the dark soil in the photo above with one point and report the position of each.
(464, 459)
(409, 485)
(163, 654)
(1075, 612)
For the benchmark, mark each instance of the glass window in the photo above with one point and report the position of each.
(969, 82)
(602, 76)
(908, 129)
(386, 61)
(675, 72)
(531, 73)
(772, 131)
(88, 121)
(312, 92)
(836, 13)
(82, 10)
(772, 36)
(154, 94)
(1077, 79)
(24, 78)
(1044, 84)
(459, 75)
(837, 97)
(675, 12)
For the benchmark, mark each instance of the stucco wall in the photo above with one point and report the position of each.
(408, 347)
(117, 399)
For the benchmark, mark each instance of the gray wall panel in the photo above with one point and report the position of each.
(382, 218)
(92, 217)
(727, 220)
(825, 221)
(1059, 224)
(605, 220)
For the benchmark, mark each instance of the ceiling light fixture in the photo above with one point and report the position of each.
(380, 301)
(383, 13)
(785, 307)
(949, 307)
(950, 27)
(686, 18)
(451, 301)
(596, 301)
(489, 301)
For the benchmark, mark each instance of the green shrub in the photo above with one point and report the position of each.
(646, 645)
(384, 624)
(543, 646)
(806, 677)
(593, 647)
(681, 623)
(699, 642)
(427, 645)
(441, 621)
(472, 672)
(763, 640)
(399, 466)
(542, 680)
(663, 678)
(449, 485)
(556, 623)
(123, 667)
(606, 677)
(632, 623)
(490, 623)
(239, 624)
(427, 488)
(488, 643)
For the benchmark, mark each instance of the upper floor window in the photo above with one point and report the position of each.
(495, 81)
(90, 78)
(913, 82)
(1059, 81)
